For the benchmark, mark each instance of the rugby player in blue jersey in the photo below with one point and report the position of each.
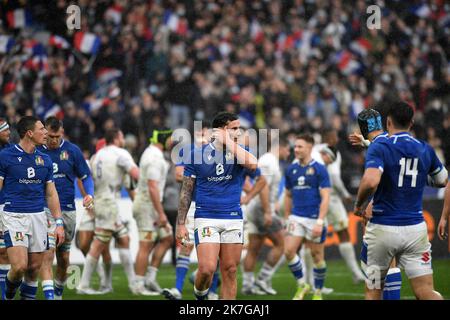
(307, 198)
(397, 170)
(217, 171)
(27, 177)
(68, 165)
(5, 134)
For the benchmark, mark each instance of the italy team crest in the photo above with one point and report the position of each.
(39, 161)
(206, 232)
(19, 236)
(310, 171)
(64, 155)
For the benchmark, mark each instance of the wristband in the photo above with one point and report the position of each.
(319, 222)
(59, 222)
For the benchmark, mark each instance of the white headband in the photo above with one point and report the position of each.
(4, 126)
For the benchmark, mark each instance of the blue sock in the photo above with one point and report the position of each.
(11, 288)
(59, 288)
(200, 295)
(215, 281)
(49, 289)
(181, 270)
(296, 267)
(4, 268)
(320, 271)
(28, 290)
(392, 284)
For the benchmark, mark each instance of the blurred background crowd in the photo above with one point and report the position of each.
(295, 65)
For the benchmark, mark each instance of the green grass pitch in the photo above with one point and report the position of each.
(338, 278)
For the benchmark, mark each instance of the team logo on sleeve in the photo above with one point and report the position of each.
(39, 161)
(64, 155)
(19, 236)
(310, 171)
(206, 232)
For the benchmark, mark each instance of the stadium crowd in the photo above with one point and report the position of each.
(299, 66)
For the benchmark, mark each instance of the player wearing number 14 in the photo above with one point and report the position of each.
(398, 168)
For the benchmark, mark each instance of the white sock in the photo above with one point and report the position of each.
(89, 266)
(101, 272)
(151, 273)
(248, 279)
(309, 266)
(266, 272)
(125, 258)
(106, 268)
(139, 280)
(347, 252)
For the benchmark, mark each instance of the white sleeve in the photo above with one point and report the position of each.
(125, 161)
(154, 171)
(336, 181)
(265, 167)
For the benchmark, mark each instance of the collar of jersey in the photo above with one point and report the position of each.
(300, 165)
(60, 145)
(402, 134)
(384, 134)
(21, 150)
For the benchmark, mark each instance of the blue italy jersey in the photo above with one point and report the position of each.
(305, 184)
(405, 163)
(2, 198)
(68, 164)
(25, 177)
(218, 183)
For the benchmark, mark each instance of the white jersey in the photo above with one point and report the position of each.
(334, 171)
(269, 165)
(110, 165)
(152, 166)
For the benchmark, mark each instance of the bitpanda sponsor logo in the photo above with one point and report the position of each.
(222, 178)
(29, 181)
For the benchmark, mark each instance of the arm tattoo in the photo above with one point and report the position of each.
(185, 199)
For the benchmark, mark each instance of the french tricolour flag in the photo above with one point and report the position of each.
(6, 43)
(105, 75)
(58, 42)
(86, 42)
(18, 18)
(256, 31)
(346, 62)
(174, 23)
(361, 46)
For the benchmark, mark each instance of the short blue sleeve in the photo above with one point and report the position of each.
(49, 165)
(190, 168)
(253, 174)
(287, 184)
(2, 165)
(81, 167)
(374, 156)
(435, 164)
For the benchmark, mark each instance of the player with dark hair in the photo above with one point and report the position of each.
(217, 172)
(26, 174)
(397, 170)
(68, 165)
